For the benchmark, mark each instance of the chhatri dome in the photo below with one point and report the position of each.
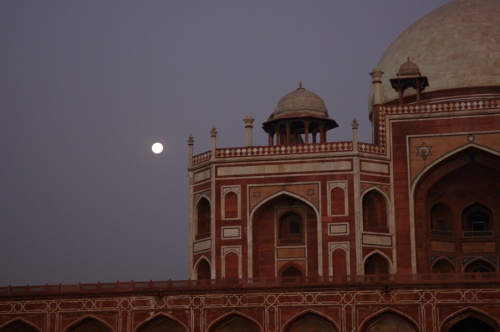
(300, 103)
(455, 46)
(299, 117)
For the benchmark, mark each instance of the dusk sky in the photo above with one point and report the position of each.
(86, 87)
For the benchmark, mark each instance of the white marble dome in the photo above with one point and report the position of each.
(455, 46)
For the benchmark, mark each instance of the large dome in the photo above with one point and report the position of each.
(457, 45)
(300, 103)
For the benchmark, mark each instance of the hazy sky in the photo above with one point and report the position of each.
(86, 87)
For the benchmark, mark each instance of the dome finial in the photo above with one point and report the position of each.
(300, 85)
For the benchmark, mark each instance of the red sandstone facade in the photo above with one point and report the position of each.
(401, 234)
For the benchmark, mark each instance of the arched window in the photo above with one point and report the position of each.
(291, 230)
(476, 221)
(203, 270)
(441, 223)
(203, 219)
(376, 264)
(374, 212)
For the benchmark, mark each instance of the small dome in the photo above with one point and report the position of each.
(408, 69)
(300, 103)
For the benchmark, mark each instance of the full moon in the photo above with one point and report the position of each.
(157, 148)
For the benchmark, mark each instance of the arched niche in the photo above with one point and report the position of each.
(479, 265)
(443, 265)
(234, 322)
(89, 324)
(310, 322)
(231, 205)
(203, 218)
(161, 324)
(203, 270)
(375, 212)
(18, 325)
(377, 263)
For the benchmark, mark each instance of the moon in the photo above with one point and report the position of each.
(157, 148)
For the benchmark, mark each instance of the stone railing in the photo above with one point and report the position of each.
(441, 107)
(224, 284)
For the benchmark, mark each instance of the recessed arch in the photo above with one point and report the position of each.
(234, 321)
(389, 320)
(462, 180)
(470, 320)
(290, 271)
(443, 265)
(161, 323)
(310, 321)
(377, 263)
(89, 324)
(19, 325)
(203, 217)
(202, 269)
(263, 235)
(479, 265)
(375, 207)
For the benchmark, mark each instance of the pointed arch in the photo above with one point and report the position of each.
(339, 259)
(203, 218)
(477, 220)
(479, 265)
(310, 321)
(89, 324)
(203, 269)
(389, 320)
(230, 204)
(443, 265)
(375, 211)
(470, 320)
(460, 179)
(160, 323)
(263, 230)
(377, 263)
(234, 321)
(291, 271)
(18, 325)
(231, 262)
